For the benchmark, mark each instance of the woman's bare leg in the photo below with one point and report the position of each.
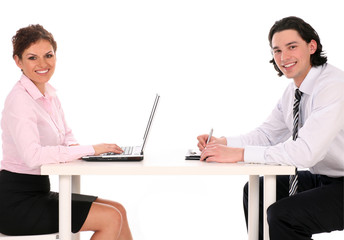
(105, 220)
(125, 233)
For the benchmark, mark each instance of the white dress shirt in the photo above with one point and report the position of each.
(320, 142)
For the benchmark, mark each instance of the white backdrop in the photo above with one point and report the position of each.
(209, 62)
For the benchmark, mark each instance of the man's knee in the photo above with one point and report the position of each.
(277, 214)
(245, 191)
(245, 198)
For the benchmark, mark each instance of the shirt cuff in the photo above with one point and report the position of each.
(234, 142)
(254, 154)
(86, 150)
(80, 151)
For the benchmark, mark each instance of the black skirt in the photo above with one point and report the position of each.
(28, 207)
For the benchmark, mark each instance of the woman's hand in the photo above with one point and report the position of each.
(105, 147)
(202, 141)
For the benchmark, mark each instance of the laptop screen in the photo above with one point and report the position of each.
(150, 120)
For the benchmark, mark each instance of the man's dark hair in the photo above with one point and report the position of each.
(306, 32)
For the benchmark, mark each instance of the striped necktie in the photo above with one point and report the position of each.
(293, 179)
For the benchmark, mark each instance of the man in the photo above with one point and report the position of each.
(306, 129)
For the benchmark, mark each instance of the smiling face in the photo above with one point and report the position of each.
(38, 63)
(292, 54)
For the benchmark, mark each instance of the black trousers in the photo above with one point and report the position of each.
(317, 208)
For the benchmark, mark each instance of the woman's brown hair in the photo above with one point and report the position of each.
(25, 37)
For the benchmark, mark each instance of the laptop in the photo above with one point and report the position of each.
(130, 153)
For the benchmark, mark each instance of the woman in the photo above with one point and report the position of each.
(34, 132)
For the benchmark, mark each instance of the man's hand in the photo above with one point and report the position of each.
(202, 141)
(222, 153)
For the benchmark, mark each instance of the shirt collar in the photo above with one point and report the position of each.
(308, 83)
(33, 90)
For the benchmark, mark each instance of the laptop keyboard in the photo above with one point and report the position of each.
(126, 151)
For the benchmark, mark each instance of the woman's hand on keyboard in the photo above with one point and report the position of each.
(105, 148)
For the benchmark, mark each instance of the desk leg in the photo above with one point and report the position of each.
(253, 207)
(269, 198)
(76, 189)
(76, 184)
(65, 207)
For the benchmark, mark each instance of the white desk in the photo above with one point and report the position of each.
(171, 165)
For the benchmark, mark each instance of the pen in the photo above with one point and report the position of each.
(209, 137)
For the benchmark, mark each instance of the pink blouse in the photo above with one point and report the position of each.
(34, 130)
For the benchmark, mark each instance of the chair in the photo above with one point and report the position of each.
(54, 236)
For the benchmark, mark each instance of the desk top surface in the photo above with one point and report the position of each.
(174, 164)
